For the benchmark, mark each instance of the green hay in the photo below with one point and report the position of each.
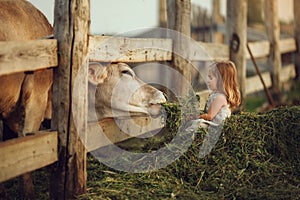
(257, 156)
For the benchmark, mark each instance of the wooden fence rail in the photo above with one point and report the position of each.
(27, 154)
(16, 56)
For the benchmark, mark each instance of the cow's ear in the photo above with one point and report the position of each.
(97, 73)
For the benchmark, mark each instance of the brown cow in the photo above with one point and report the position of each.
(23, 97)
(20, 20)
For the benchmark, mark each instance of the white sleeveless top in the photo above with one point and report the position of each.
(223, 113)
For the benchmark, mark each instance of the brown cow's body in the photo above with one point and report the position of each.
(22, 93)
(23, 97)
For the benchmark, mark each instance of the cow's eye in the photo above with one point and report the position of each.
(127, 72)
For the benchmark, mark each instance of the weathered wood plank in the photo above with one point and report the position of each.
(253, 83)
(262, 48)
(209, 52)
(39, 54)
(71, 29)
(26, 154)
(121, 49)
(297, 37)
(236, 32)
(179, 20)
(273, 33)
(17, 56)
(287, 73)
(110, 131)
(287, 45)
(163, 21)
(259, 49)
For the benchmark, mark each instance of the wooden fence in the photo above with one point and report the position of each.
(43, 54)
(42, 149)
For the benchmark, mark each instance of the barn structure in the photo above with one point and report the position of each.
(69, 51)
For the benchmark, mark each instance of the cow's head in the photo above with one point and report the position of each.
(115, 91)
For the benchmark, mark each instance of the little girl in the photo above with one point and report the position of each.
(224, 96)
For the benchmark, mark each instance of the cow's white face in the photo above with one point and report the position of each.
(115, 91)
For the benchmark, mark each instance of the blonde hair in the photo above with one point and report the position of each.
(225, 71)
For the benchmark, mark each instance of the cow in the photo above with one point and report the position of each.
(25, 97)
(115, 91)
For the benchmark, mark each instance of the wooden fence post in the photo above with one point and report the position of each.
(273, 33)
(236, 33)
(179, 19)
(163, 14)
(71, 29)
(297, 37)
(1, 130)
(216, 12)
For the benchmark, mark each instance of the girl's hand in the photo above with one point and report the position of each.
(205, 116)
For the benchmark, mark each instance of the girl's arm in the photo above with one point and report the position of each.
(215, 107)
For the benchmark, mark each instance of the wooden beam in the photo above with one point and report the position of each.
(262, 48)
(273, 33)
(287, 45)
(216, 12)
(16, 56)
(253, 83)
(71, 29)
(287, 73)
(236, 32)
(40, 54)
(297, 37)
(209, 52)
(110, 131)
(179, 20)
(26, 154)
(163, 20)
(259, 49)
(121, 49)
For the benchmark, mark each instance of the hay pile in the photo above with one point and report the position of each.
(257, 156)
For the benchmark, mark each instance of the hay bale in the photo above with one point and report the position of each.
(257, 156)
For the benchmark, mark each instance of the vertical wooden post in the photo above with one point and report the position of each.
(216, 12)
(179, 19)
(1, 130)
(194, 22)
(236, 36)
(297, 37)
(71, 29)
(163, 13)
(273, 33)
(217, 19)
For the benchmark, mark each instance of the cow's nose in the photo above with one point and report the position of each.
(161, 97)
(158, 98)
